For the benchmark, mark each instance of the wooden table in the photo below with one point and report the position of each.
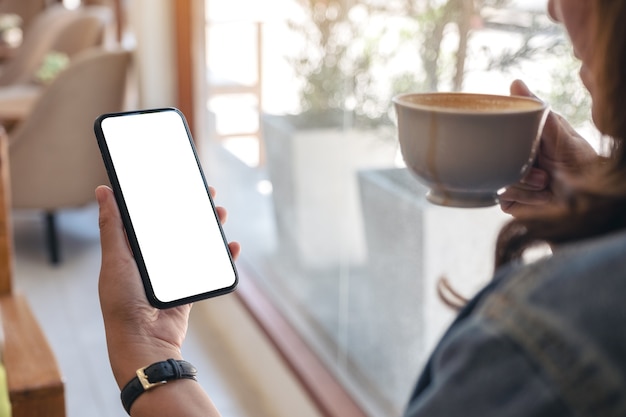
(35, 384)
(16, 102)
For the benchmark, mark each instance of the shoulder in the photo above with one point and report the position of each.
(566, 315)
(543, 339)
(579, 284)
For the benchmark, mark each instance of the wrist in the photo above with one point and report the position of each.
(127, 358)
(126, 370)
(155, 375)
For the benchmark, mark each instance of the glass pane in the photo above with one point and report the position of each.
(338, 231)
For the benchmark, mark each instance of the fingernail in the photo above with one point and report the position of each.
(100, 195)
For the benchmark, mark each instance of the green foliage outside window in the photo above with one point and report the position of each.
(350, 47)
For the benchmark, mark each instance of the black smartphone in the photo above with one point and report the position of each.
(168, 213)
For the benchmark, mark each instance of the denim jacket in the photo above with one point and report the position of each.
(543, 339)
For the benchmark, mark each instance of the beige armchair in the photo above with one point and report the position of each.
(28, 10)
(55, 161)
(56, 29)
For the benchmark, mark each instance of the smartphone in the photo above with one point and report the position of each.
(169, 216)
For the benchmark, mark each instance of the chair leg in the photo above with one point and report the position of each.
(52, 238)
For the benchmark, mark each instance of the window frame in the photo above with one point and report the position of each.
(327, 393)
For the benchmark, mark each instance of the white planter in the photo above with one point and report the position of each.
(315, 190)
(411, 243)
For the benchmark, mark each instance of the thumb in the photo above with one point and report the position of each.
(519, 88)
(112, 234)
(556, 131)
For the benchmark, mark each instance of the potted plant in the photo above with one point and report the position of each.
(343, 125)
(382, 225)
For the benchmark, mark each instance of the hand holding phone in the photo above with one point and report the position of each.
(165, 204)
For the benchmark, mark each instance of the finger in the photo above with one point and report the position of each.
(519, 210)
(524, 196)
(515, 209)
(557, 139)
(505, 205)
(554, 124)
(222, 214)
(235, 250)
(536, 179)
(564, 125)
(112, 235)
(519, 88)
(552, 127)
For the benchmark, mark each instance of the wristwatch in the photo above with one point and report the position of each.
(151, 376)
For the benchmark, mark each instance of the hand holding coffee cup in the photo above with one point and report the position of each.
(466, 147)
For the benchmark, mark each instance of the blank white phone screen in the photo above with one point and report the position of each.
(176, 228)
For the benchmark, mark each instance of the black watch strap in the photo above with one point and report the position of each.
(154, 375)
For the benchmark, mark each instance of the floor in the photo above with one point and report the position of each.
(65, 301)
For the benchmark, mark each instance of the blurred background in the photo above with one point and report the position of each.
(290, 106)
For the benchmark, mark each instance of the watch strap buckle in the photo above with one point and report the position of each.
(145, 382)
(160, 373)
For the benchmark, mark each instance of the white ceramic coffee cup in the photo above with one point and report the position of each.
(466, 147)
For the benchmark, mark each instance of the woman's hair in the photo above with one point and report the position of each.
(596, 201)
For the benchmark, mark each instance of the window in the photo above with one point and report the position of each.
(305, 158)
